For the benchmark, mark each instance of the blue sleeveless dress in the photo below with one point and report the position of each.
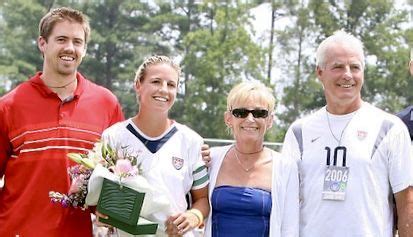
(240, 211)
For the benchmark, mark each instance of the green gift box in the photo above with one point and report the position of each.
(123, 206)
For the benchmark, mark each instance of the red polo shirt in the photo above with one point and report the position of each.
(37, 130)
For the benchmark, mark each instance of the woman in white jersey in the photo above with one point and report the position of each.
(169, 152)
(253, 190)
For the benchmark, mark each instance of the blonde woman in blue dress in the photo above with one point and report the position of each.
(253, 190)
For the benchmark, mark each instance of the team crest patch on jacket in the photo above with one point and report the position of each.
(177, 162)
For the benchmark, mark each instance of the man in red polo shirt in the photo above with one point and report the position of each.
(55, 112)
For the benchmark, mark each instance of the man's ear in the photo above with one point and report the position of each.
(318, 71)
(41, 44)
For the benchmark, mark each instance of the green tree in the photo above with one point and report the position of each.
(213, 41)
(220, 54)
(122, 35)
(120, 40)
(376, 22)
(379, 25)
(301, 92)
(173, 22)
(19, 56)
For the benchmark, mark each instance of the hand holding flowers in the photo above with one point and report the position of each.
(117, 165)
(118, 161)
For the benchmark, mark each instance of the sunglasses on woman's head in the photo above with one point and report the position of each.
(243, 113)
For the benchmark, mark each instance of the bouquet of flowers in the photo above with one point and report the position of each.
(117, 161)
(108, 173)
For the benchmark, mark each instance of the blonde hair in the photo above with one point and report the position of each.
(251, 89)
(153, 60)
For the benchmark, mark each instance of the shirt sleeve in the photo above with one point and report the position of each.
(290, 218)
(5, 145)
(199, 170)
(290, 148)
(400, 158)
(117, 115)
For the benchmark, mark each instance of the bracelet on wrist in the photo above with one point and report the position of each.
(198, 215)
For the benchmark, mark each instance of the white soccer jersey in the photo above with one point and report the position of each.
(172, 162)
(375, 146)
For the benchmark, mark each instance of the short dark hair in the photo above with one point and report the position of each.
(49, 20)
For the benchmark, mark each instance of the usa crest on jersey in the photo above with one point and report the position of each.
(177, 162)
(361, 135)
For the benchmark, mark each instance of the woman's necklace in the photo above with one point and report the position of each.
(249, 153)
(64, 86)
(240, 163)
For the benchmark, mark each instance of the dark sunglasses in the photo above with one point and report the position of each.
(243, 113)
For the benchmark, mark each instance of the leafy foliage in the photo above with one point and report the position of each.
(213, 42)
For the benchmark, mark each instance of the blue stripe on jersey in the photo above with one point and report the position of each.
(152, 145)
(385, 128)
(298, 133)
